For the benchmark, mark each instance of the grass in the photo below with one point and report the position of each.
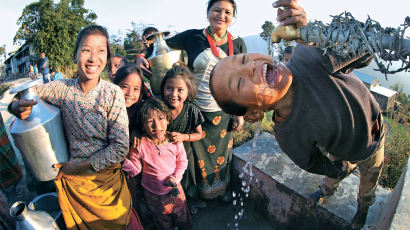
(397, 146)
(396, 152)
(248, 130)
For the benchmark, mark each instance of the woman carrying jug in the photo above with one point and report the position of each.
(91, 184)
(205, 47)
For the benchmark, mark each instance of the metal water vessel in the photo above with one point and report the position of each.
(161, 60)
(40, 137)
(27, 219)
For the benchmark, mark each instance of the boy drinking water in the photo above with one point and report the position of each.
(326, 120)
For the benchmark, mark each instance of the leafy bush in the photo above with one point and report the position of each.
(248, 130)
(396, 152)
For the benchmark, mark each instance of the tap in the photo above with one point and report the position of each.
(288, 33)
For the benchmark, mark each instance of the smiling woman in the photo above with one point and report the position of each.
(205, 47)
(96, 125)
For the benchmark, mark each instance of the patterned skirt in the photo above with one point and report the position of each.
(213, 154)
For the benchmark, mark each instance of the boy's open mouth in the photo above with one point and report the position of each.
(270, 74)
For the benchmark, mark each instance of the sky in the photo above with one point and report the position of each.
(179, 15)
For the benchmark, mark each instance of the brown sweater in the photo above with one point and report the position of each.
(329, 108)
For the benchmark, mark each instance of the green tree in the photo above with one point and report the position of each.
(133, 40)
(401, 95)
(53, 29)
(117, 45)
(267, 28)
(3, 53)
(2, 50)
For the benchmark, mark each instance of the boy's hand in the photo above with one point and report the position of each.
(293, 14)
(22, 108)
(171, 182)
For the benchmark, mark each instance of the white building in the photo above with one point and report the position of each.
(19, 62)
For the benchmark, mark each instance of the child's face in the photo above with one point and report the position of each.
(156, 125)
(131, 87)
(250, 80)
(116, 63)
(92, 57)
(175, 92)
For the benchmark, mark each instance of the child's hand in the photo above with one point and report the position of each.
(174, 192)
(135, 143)
(171, 182)
(22, 108)
(176, 137)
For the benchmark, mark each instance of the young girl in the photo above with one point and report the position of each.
(162, 164)
(129, 79)
(90, 185)
(178, 89)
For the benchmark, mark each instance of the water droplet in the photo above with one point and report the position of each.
(243, 183)
(241, 175)
(236, 217)
(246, 194)
(234, 202)
(233, 194)
(241, 204)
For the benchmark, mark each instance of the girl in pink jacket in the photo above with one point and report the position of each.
(162, 164)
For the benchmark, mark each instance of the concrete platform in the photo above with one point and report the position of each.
(270, 159)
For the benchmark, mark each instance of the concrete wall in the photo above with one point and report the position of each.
(281, 204)
(281, 191)
(396, 212)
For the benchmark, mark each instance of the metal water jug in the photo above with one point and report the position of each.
(161, 60)
(27, 219)
(40, 137)
(48, 202)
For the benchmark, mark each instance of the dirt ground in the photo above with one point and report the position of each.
(220, 216)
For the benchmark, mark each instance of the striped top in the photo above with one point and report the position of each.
(95, 122)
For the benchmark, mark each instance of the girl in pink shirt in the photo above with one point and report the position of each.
(162, 164)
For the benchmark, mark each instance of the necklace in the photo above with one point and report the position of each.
(213, 47)
(213, 36)
(158, 143)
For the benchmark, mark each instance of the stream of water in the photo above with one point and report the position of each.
(246, 175)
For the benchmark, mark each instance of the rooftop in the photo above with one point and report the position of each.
(383, 91)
